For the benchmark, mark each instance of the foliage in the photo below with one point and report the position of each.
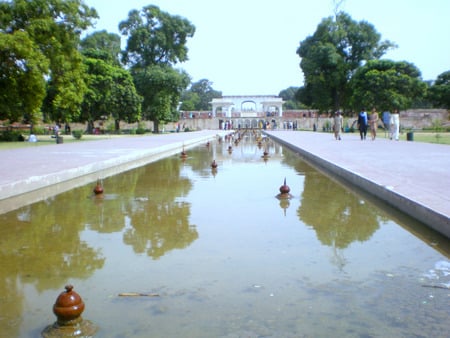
(111, 93)
(11, 136)
(102, 45)
(155, 37)
(189, 101)
(330, 57)
(39, 130)
(140, 130)
(290, 98)
(161, 87)
(156, 42)
(386, 85)
(199, 96)
(77, 134)
(439, 92)
(22, 82)
(53, 28)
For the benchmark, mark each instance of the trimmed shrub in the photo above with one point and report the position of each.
(11, 136)
(77, 134)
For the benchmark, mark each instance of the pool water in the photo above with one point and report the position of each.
(221, 256)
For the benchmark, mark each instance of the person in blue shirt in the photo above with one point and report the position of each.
(362, 123)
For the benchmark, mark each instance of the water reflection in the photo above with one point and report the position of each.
(227, 257)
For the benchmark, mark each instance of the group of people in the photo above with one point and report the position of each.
(367, 121)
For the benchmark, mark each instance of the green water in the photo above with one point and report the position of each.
(224, 256)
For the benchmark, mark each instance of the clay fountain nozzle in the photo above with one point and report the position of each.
(284, 189)
(68, 309)
(68, 306)
(98, 189)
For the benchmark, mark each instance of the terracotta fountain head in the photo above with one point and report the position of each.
(284, 189)
(98, 189)
(68, 308)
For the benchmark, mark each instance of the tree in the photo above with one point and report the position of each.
(386, 84)
(189, 101)
(439, 92)
(332, 54)
(160, 87)
(201, 94)
(102, 45)
(54, 26)
(290, 98)
(155, 37)
(111, 93)
(156, 43)
(22, 83)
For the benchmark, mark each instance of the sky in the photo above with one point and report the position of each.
(248, 47)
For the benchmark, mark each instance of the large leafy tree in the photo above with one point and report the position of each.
(199, 96)
(439, 92)
(102, 45)
(332, 54)
(160, 87)
(111, 91)
(386, 84)
(22, 84)
(156, 42)
(290, 98)
(54, 26)
(111, 94)
(189, 101)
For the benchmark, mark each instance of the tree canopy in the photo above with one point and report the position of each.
(54, 27)
(111, 94)
(102, 45)
(155, 37)
(386, 84)
(22, 83)
(156, 42)
(199, 96)
(330, 57)
(290, 98)
(439, 92)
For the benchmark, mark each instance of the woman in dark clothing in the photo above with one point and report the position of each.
(362, 124)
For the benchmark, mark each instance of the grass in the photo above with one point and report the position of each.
(45, 140)
(422, 136)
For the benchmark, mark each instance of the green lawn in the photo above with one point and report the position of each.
(44, 140)
(427, 137)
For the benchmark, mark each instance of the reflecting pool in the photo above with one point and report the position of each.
(222, 256)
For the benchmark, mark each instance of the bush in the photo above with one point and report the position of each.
(77, 134)
(11, 136)
(141, 128)
(38, 130)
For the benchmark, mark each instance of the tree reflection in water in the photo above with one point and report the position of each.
(265, 255)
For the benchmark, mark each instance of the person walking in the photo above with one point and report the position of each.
(395, 125)
(337, 127)
(373, 120)
(362, 123)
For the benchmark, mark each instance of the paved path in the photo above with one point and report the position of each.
(412, 176)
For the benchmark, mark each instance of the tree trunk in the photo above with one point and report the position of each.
(117, 125)
(90, 127)
(156, 127)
